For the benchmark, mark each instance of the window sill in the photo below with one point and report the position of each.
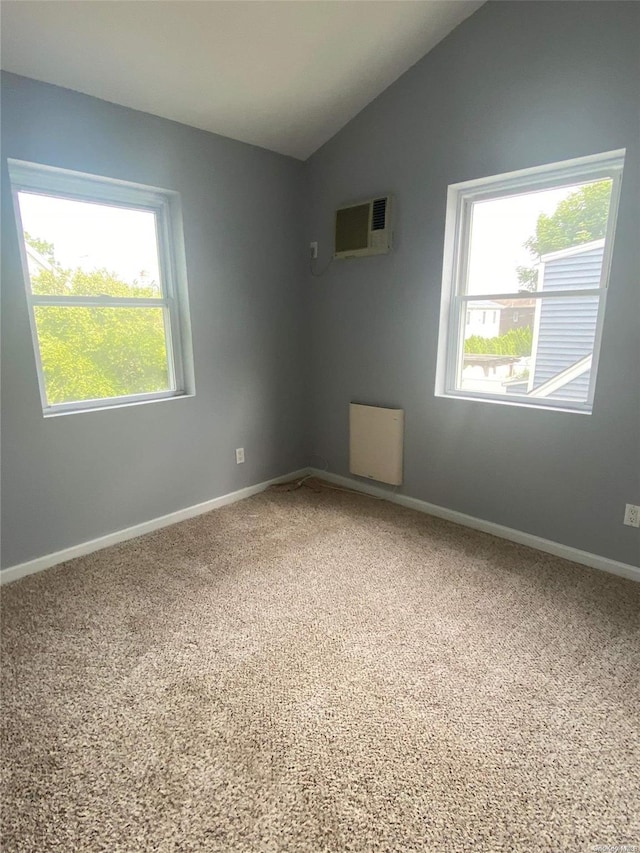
(520, 404)
(106, 407)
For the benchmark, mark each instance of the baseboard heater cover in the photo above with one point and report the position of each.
(376, 439)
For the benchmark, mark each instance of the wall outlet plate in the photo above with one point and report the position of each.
(313, 250)
(239, 455)
(632, 515)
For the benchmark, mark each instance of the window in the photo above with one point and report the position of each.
(106, 288)
(535, 246)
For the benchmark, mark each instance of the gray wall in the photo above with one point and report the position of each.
(71, 478)
(516, 85)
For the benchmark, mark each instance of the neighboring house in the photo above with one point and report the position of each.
(516, 314)
(564, 329)
(483, 319)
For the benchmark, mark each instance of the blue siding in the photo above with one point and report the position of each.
(568, 326)
(576, 271)
(577, 389)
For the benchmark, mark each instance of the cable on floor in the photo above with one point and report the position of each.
(317, 485)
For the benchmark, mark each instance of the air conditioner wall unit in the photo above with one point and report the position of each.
(364, 229)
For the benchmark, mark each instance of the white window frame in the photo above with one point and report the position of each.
(164, 204)
(454, 300)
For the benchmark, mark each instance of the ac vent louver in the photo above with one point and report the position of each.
(378, 216)
(364, 228)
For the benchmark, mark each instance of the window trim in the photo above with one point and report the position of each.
(51, 181)
(454, 301)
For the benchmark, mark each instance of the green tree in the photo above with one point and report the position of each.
(42, 246)
(580, 218)
(516, 342)
(93, 352)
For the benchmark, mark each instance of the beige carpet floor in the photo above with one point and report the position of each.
(320, 673)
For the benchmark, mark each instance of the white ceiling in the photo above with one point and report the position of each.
(282, 75)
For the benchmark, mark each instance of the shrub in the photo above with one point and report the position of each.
(516, 342)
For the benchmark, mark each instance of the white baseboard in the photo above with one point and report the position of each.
(585, 558)
(13, 573)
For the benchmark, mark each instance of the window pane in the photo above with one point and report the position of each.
(95, 353)
(538, 348)
(86, 249)
(509, 236)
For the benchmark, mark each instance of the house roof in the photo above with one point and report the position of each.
(572, 250)
(520, 302)
(483, 304)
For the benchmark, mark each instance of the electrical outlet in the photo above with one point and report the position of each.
(632, 515)
(313, 250)
(239, 455)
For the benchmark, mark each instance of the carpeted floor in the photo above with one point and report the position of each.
(320, 673)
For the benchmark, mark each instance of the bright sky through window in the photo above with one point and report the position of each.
(500, 228)
(95, 236)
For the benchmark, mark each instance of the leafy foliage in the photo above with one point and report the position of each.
(43, 246)
(516, 342)
(94, 352)
(579, 218)
(528, 278)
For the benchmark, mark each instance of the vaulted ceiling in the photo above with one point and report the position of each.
(282, 75)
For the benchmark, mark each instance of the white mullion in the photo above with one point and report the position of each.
(97, 301)
(614, 201)
(169, 348)
(456, 334)
(458, 341)
(32, 316)
(168, 284)
(37, 352)
(161, 251)
(595, 358)
(534, 294)
(461, 286)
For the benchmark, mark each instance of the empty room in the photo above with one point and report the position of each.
(320, 426)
